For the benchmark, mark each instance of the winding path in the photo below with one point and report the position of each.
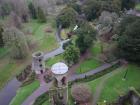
(59, 50)
(45, 87)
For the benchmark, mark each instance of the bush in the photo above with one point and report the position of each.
(66, 17)
(41, 99)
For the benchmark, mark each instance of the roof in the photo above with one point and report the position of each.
(59, 68)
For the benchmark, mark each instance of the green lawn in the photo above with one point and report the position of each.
(137, 7)
(46, 41)
(5, 72)
(88, 65)
(24, 92)
(98, 46)
(115, 85)
(54, 60)
(3, 52)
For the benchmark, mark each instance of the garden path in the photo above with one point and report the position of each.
(59, 50)
(42, 89)
(72, 77)
(92, 72)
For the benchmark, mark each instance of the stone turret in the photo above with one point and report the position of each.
(59, 95)
(38, 64)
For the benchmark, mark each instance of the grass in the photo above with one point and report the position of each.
(54, 60)
(5, 72)
(45, 41)
(3, 52)
(98, 46)
(115, 85)
(137, 7)
(88, 65)
(24, 92)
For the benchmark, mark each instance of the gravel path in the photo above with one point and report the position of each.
(92, 72)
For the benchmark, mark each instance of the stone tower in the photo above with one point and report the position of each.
(59, 94)
(38, 64)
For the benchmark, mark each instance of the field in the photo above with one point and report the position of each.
(87, 65)
(137, 7)
(115, 85)
(54, 60)
(24, 92)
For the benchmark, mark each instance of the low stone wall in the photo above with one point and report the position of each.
(133, 98)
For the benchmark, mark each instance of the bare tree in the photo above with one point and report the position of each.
(14, 20)
(16, 42)
(81, 93)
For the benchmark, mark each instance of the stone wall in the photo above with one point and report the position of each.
(133, 98)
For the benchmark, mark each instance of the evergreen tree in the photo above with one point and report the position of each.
(67, 17)
(32, 10)
(127, 4)
(86, 36)
(40, 15)
(129, 42)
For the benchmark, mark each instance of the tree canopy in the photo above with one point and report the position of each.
(71, 55)
(67, 17)
(129, 39)
(15, 41)
(86, 35)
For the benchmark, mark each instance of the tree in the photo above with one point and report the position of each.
(20, 8)
(127, 4)
(91, 9)
(82, 93)
(1, 38)
(14, 20)
(86, 36)
(111, 5)
(129, 42)
(71, 55)
(126, 20)
(75, 6)
(5, 9)
(32, 10)
(40, 15)
(67, 17)
(15, 41)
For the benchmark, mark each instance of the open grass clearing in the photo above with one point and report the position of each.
(51, 61)
(137, 7)
(87, 65)
(115, 85)
(24, 92)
